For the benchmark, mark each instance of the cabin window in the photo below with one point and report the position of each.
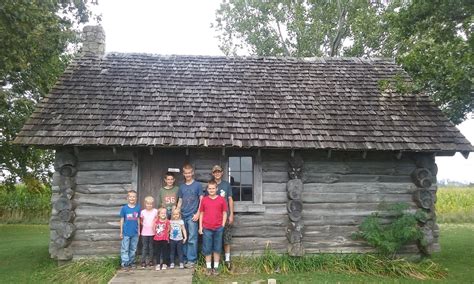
(241, 177)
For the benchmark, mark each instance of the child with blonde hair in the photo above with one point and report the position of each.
(161, 239)
(148, 216)
(178, 237)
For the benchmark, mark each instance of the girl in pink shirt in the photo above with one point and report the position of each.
(148, 216)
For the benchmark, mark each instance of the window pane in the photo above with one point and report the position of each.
(246, 164)
(236, 193)
(235, 178)
(234, 164)
(246, 178)
(247, 193)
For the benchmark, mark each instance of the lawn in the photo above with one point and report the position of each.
(24, 259)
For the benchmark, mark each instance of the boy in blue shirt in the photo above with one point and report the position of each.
(190, 194)
(129, 230)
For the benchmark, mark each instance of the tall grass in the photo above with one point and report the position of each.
(81, 271)
(25, 206)
(455, 205)
(362, 264)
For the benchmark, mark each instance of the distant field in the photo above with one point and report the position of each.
(455, 205)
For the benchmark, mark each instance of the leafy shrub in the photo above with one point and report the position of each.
(389, 238)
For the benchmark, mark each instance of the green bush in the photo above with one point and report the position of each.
(23, 205)
(389, 238)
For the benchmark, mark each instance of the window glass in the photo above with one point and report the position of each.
(241, 177)
(234, 164)
(246, 164)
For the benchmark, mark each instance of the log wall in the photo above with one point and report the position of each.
(102, 181)
(340, 190)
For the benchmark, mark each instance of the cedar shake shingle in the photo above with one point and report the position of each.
(152, 100)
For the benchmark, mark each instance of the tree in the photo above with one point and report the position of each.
(37, 40)
(431, 40)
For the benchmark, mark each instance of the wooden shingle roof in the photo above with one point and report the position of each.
(152, 100)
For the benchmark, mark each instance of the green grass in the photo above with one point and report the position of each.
(24, 258)
(455, 205)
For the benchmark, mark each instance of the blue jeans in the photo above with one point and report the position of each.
(212, 241)
(128, 250)
(176, 247)
(191, 246)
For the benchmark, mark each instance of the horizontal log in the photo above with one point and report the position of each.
(345, 230)
(358, 187)
(95, 248)
(344, 209)
(252, 243)
(275, 166)
(309, 177)
(275, 197)
(258, 231)
(92, 222)
(392, 167)
(104, 154)
(113, 188)
(311, 197)
(97, 235)
(274, 187)
(102, 200)
(275, 177)
(62, 203)
(87, 210)
(105, 166)
(103, 177)
(255, 252)
(278, 208)
(251, 220)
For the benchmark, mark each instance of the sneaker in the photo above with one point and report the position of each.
(164, 266)
(189, 265)
(181, 265)
(143, 265)
(215, 272)
(172, 266)
(125, 268)
(208, 272)
(157, 267)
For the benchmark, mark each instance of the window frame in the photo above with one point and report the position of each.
(257, 204)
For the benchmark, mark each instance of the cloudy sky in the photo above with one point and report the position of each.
(183, 27)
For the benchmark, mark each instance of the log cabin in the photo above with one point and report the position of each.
(311, 146)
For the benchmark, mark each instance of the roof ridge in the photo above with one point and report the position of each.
(289, 58)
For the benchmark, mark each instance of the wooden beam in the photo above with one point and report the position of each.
(114, 150)
(329, 153)
(187, 152)
(76, 150)
(364, 155)
(151, 151)
(465, 154)
(292, 153)
(223, 152)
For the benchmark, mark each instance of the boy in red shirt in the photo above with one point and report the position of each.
(212, 218)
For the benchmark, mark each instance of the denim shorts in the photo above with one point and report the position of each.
(212, 241)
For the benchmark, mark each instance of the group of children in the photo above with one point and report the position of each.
(173, 229)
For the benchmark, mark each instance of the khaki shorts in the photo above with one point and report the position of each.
(227, 234)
